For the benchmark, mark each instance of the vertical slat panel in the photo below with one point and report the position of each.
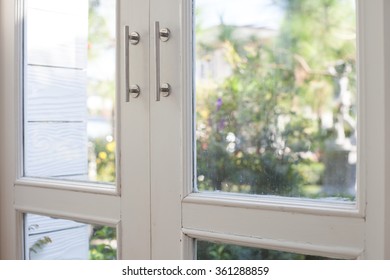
(135, 137)
(166, 138)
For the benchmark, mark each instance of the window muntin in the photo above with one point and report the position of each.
(69, 90)
(276, 101)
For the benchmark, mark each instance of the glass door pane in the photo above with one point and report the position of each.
(219, 251)
(49, 238)
(69, 89)
(276, 97)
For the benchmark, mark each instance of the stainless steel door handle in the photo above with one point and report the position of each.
(163, 35)
(130, 38)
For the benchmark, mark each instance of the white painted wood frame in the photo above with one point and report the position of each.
(359, 231)
(125, 207)
(154, 207)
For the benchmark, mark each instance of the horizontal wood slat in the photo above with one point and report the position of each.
(257, 225)
(55, 149)
(55, 94)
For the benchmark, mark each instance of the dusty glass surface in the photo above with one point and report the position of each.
(276, 97)
(59, 239)
(69, 89)
(213, 251)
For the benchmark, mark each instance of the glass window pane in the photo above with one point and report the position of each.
(276, 97)
(58, 239)
(212, 251)
(69, 89)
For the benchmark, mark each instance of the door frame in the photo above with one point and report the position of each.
(369, 225)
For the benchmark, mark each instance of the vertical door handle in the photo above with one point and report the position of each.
(163, 35)
(130, 38)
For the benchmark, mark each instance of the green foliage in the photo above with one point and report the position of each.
(98, 33)
(213, 251)
(39, 244)
(101, 243)
(105, 160)
(250, 105)
(260, 129)
(101, 42)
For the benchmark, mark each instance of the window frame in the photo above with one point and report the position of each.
(173, 216)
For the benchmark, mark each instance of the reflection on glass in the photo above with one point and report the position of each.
(69, 92)
(213, 251)
(58, 239)
(276, 97)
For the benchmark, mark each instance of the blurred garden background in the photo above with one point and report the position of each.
(101, 90)
(276, 97)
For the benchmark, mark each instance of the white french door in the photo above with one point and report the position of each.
(173, 191)
(318, 227)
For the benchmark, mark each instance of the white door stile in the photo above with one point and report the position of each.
(186, 15)
(166, 140)
(374, 69)
(135, 135)
(8, 128)
(387, 117)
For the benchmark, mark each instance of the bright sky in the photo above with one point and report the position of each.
(240, 12)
